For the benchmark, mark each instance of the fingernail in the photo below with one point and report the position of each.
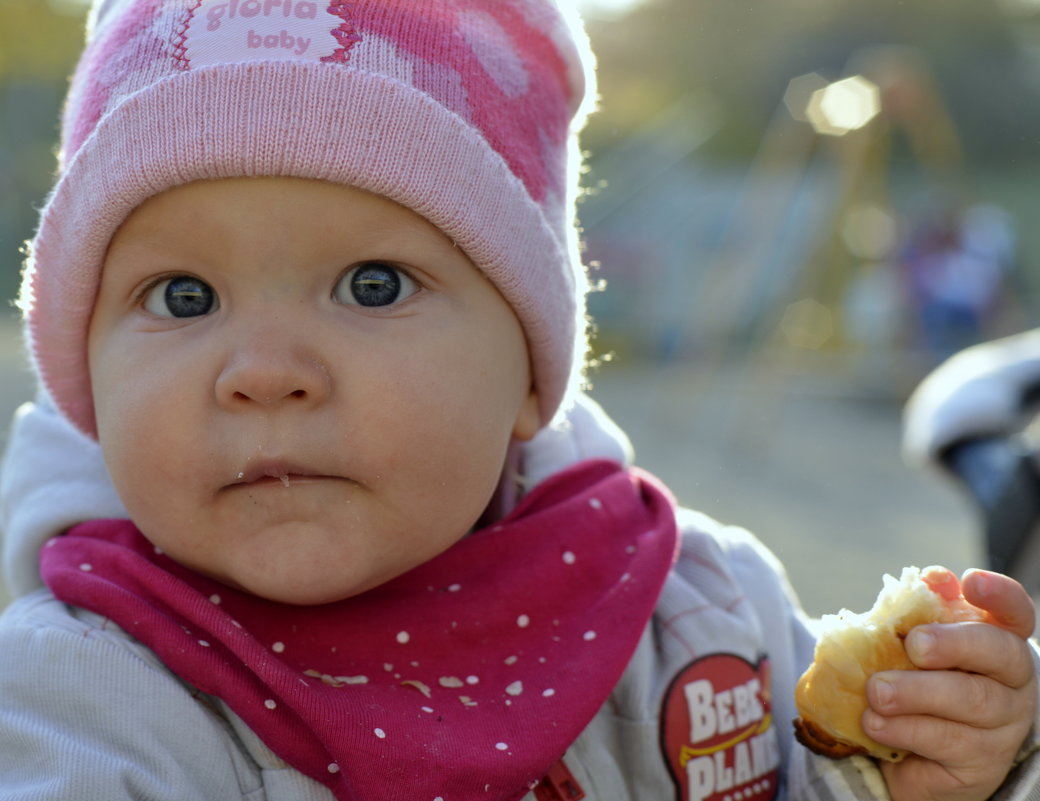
(983, 583)
(884, 692)
(920, 645)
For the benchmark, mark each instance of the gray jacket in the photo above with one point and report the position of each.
(86, 712)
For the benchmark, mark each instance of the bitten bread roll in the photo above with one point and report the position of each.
(831, 695)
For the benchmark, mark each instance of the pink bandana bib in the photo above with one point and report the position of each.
(466, 678)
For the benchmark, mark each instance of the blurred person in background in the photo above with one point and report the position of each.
(956, 266)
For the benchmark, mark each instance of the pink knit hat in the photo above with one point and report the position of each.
(465, 111)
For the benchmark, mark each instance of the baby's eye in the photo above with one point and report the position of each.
(182, 296)
(373, 284)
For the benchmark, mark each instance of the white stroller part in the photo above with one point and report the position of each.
(975, 418)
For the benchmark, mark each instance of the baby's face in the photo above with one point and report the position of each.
(302, 389)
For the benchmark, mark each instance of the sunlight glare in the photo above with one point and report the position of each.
(607, 7)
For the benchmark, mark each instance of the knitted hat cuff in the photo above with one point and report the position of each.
(271, 119)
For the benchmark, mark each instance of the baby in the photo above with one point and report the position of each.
(309, 285)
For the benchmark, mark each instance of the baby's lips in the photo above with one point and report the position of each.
(280, 469)
(942, 582)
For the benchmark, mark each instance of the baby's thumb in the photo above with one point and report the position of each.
(1004, 599)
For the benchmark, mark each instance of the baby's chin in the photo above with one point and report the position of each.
(298, 592)
(294, 595)
(303, 562)
(303, 586)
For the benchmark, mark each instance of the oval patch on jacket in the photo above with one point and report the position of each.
(717, 732)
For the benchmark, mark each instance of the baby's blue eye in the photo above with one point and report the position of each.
(373, 284)
(182, 296)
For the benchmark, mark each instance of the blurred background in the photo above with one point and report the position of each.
(794, 211)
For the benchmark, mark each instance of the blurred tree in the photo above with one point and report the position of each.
(40, 41)
(740, 55)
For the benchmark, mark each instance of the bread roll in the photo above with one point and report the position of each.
(831, 694)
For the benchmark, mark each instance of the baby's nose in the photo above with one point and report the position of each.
(269, 370)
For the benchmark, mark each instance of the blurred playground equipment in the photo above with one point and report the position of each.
(823, 258)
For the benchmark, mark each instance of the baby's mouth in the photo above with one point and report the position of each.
(284, 479)
(275, 472)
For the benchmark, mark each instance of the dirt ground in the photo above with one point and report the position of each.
(810, 466)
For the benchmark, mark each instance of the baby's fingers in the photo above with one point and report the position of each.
(970, 724)
(973, 647)
(950, 696)
(957, 745)
(1008, 604)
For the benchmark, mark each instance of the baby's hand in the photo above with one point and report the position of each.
(965, 715)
